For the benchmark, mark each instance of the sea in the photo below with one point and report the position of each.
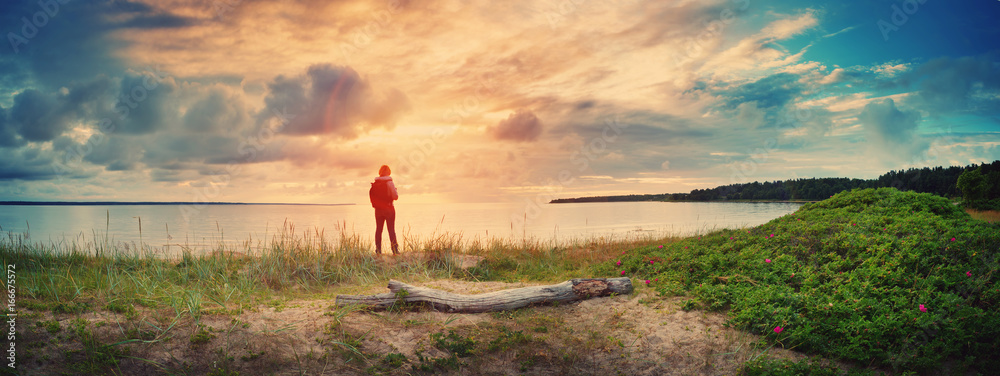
(205, 227)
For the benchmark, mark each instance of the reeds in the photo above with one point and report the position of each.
(991, 216)
(233, 276)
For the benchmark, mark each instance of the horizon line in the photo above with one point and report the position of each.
(92, 203)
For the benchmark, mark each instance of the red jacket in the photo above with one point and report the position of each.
(393, 195)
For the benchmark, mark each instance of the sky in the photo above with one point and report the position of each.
(473, 101)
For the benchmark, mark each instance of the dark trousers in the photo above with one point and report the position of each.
(388, 217)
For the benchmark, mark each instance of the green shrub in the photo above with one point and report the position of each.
(805, 367)
(454, 343)
(846, 278)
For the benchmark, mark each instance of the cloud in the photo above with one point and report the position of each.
(892, 131)
(42, 116)
(118, 153)
(789, 27)
(332, 100)
(218, 111)
(168, 176)
(38, 116)
(769, 92)
(760, 50)
(8, 134)
(147, 103)
(889, 70)
(520, 126)
(25, 164)
(949, 84)
(79, 41)
(844, 30)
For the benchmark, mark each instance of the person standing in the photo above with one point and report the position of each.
(382, 194)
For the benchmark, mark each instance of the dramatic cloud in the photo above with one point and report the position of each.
(119, 153)
(332, 100)
(8, 134)
(277, 100)
(146, 103)
(522, 125)
(892, 130)
(948, 84)
(25, 164)
(219, 111)
(36, 117)
(770, 92)
(75, 40)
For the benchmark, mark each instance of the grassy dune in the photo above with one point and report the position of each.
(871, 281)
(902, 281)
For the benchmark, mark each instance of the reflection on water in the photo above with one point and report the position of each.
(163, 225)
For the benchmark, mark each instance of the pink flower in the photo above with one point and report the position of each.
(730, 238)
(767, 261)
(778, 329)
(656, 279)
(772, 235)
(661, 247)
(952, 239)
(651, 262)
(647, 281)
(922, 308)
(623, 272)
(619, 263)
(968, 273)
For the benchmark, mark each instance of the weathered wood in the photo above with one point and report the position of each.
(503, 300)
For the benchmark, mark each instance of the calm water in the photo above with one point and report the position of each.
(164, 225)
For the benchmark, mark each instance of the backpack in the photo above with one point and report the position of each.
(379, 192)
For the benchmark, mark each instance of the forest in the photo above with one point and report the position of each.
(982, 187)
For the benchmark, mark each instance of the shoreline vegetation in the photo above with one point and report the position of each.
(666, 198)
(867, 282)
(984, 179)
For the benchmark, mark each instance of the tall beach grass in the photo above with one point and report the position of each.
(87, 274)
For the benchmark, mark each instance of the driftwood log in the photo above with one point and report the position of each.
(503, 300)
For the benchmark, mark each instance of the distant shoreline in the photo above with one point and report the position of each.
(121, 203)
(588, 200)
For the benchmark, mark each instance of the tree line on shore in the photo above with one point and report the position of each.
(979, 185)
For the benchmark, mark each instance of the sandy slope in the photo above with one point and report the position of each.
(634, 335)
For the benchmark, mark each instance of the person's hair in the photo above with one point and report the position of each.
(384, 171)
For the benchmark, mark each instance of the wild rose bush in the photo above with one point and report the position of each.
(897, 279)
